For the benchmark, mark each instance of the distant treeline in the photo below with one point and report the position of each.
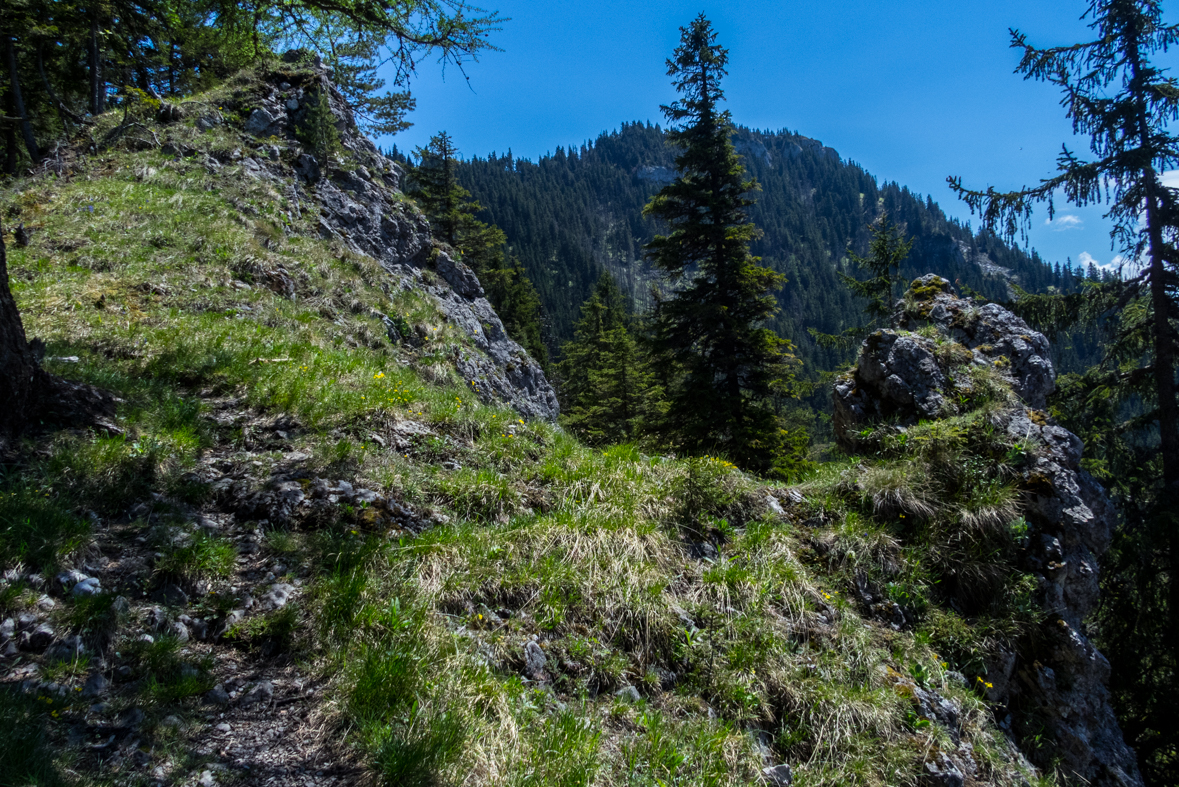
(575, 213)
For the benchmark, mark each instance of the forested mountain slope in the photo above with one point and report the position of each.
(574, 213)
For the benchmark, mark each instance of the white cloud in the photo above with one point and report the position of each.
(1118, 263)
(1068, 221)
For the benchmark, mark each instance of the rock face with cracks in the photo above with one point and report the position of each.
(913, 372)
(361, 207)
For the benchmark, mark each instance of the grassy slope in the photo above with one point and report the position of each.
(135, 267)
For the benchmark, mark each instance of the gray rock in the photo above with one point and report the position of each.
(778, 775)
(38, 639)
(942, 771)
(277, 596)
(217, 695)
(307, 168)
(902, 377)
(95, 686)
(206, 779)
(460, 278)
(67, 579)
(534, 661)
(209, 121)
(68, 649)
(132, 717)
(179, 631)
(170, 595)
(87, 587)
(628, 693)
(260, 123)
(7, 629)
(260, 692)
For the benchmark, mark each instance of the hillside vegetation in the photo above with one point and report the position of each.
(573, 214)
(311, 532)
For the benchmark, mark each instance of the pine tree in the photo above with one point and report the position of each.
(482, 246)
(710, 328)
(603, 383)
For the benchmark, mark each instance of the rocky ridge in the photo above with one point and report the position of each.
(356, 194)
(905, 375)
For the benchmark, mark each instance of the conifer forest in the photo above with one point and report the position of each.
(691, 454)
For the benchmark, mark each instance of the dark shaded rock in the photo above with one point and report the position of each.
(132, 717)
(170, 595)
(778, 775)
(217, 695)
(96, 685)
(38, 639)
(260, 692)
(67, 649)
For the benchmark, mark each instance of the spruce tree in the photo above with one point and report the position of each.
(710, 329)
(602, 381)
(886, 251)
(517, 303)
(436, 188)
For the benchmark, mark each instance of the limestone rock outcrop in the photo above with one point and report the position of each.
(359, 204)
(920, 370)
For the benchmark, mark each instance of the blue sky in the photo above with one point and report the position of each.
(912, 90)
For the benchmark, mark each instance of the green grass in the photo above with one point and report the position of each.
(36, 529)
(200, 556)
(27, 756)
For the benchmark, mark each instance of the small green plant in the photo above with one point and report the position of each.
(204, 557)
(167, 675)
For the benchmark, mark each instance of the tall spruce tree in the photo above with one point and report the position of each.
(1125, 104)
(602, 380)
(728, 366)
(436, 188)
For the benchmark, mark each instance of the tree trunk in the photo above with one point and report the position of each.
(26, 128)
(97, 84)
(10, 155)
(23, 384)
